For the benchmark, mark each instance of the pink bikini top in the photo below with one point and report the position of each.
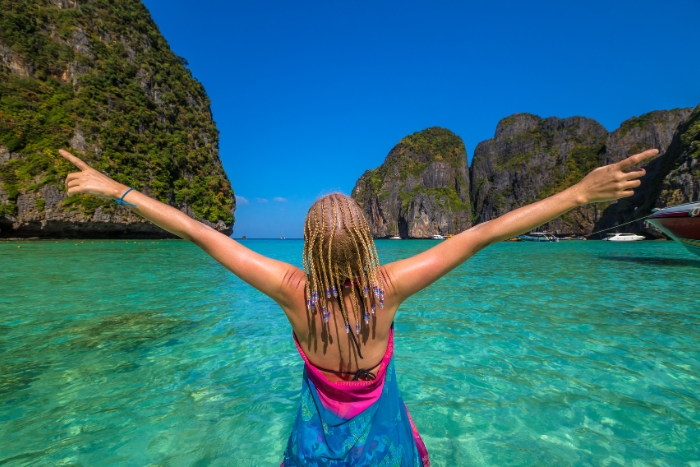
(346, 399)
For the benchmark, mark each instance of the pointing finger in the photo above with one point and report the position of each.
(637, 158)
(76, 161)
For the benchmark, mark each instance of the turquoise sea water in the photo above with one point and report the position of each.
(150, 353)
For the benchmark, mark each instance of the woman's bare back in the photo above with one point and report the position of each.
(329, 346)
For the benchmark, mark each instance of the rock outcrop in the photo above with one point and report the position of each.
(417, 193)
(682, 183)
(420, 190)
(531, 158)
(662, 130)
(98, 77)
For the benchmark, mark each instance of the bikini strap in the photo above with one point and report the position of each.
(363, 373)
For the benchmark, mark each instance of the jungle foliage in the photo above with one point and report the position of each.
(100, 73)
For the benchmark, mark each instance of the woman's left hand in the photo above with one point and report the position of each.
(90, 181)
(612, 181)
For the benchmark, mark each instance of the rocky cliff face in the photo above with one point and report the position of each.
(652, 130)
(531, 158)
(421, 189)
(682, 183)
(662, 130)
(416, 193)
(97, 77)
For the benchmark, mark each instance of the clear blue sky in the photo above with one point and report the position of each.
(309, 95)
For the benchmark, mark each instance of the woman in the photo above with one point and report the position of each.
(342, 305)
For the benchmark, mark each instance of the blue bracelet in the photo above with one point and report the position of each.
(121, 201)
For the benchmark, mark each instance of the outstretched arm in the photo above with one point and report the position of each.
(606, 183)
(274, 278)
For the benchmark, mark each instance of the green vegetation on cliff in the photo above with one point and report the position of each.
(691, 137)
(682, 183)
(434, 144)
(98, 76)
(583, 155)
(581, 160)
(411, 156)
(421, 189)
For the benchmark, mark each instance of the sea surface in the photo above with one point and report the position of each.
(149, 353)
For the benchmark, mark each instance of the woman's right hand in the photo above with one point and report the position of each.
(90, 181)
(612, 181)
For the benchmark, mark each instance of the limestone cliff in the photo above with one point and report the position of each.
(682, 183)
(421, 189)
(662, 130)
(98, 77)
(531, 158)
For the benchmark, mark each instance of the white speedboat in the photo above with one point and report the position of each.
(395, 237)
(623, 237)
(538, 237)
(681, 223)
(438, 237)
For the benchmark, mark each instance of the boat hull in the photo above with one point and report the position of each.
(636, 238)
(681, 223)
(529, 238)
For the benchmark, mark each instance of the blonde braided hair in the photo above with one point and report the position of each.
(338, 247)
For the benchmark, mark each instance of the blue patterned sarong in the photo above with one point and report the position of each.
(359, 423)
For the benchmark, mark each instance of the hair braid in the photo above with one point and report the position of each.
(372, 258)
(332, 271)
(348, 267)
(327, 274)
(357, 241)
(322, 275)
(306, 264)
(313, 246)
(313, 236)
(365, 275)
